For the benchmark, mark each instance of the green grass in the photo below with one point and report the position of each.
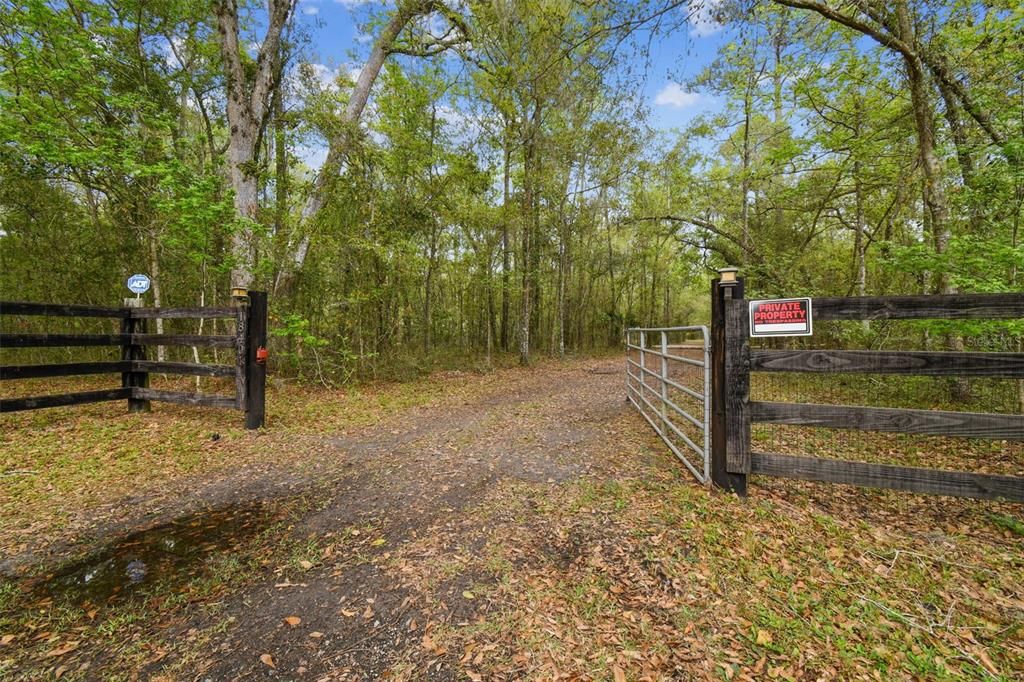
(1009, 523)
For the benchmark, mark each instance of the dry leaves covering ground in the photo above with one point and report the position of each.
(521, 524)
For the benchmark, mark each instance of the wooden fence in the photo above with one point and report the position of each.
(250, 335)
(733, 457)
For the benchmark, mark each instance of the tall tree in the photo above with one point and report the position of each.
(249, 94)
(388, 42)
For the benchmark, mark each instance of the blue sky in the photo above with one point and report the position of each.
(337, 43)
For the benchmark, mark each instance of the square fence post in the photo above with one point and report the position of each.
(256, 370)
(721, 476)
(643, 370)
(737, 383)
(131, 351)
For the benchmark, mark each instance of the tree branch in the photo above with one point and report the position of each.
(879, 36)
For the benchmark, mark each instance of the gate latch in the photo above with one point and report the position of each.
(261, 355)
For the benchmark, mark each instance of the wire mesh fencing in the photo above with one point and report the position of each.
(963, 395)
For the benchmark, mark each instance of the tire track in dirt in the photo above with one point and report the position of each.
(421, 470)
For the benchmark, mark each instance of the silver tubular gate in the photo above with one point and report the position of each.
(658, 400)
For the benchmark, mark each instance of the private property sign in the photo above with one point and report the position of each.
(781, 317)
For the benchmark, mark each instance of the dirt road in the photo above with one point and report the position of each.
(518, 524)
(410, 478)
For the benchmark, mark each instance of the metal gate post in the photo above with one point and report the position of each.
(643, 365)
(629, 384)
(720, 475)
(664, 382)
(705, 337)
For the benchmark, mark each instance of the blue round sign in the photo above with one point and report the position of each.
(138, 284)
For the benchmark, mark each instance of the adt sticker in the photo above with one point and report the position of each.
(138, 284)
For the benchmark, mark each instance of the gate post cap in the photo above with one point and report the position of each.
(728, 275)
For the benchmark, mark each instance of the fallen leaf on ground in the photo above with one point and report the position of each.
(292, 620)
(268, 660)
(60, 651)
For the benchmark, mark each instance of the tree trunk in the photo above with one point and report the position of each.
(963, 154)
(561, 291)
(614, 331)
(745, 177)
(530, 229)
(778, 45)
(340, 145)
(432, 252)
(154, 271)
(280, 166)
(526, 295)
(247, 103)
(506, 256)
(860, 240)
(860, 223)
(935, 201)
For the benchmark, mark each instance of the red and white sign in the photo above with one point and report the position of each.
(781, 317)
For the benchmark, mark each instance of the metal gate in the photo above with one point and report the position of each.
(672, 391)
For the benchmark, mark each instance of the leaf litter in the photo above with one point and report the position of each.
(536, 529)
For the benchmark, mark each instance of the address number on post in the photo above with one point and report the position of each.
(781, 317)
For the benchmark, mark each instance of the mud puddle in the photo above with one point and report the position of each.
(165, 557)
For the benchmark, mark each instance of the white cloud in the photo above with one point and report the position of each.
(311, 10)
(673, 95)
(363, 38)
(325, 75)
(353, 4)
(328, 77)
(702, 19)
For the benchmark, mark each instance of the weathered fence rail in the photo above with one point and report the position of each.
(248, 370)
(734, 452)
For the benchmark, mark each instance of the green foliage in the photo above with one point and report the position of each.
(511, 190)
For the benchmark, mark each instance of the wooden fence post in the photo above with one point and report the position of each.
(256, 372)
(131, 351)
(721, 474)
(737, 382)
